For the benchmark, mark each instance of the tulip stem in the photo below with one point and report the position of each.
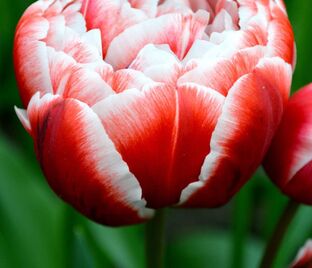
(278, 234)
(155, 240)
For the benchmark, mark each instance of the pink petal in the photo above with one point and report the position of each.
(148, 6)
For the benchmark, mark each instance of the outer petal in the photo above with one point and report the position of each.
(243, 133)
(288, 161)
(164, 150)
(30, 58)
(81, 163)
(198, 112)
(144, 135)
(281, 40)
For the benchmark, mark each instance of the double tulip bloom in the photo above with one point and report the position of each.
(138, 105)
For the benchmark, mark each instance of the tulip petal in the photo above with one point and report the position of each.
(281, 40)
(161, 149)
(30, 58)
(221, 73)
(174, 6)
(143, 134)
(148, 6)
(128, 79)
(60, 67)
(297, 145)
(46, 49)
(110, 16)
(158, 63)
(86, 86)
(183, 29)
(198, 112)
(23, 117)
(242, 135)
(31, 61)
(300, 185)
(81, 163)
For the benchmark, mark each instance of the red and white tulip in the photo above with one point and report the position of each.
(138, 105)
(289, 160)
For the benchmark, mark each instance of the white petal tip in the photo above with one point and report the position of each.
(23, 117)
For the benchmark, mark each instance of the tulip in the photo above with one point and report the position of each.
(138, 105)
(289, 160)
(304, 257)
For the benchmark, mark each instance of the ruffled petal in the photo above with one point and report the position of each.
(46, 48)
(158, 63)
(221, 73)
(110, 16)
(183, 29)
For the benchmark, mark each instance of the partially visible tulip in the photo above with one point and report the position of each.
(289, 160)
(304, 257)
(137, 105)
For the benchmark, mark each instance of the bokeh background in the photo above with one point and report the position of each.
(38, 230)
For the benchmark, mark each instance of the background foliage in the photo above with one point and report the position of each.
(38, 230)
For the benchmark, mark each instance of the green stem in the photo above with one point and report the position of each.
(155, 241)
(278, 234)
(240, 226)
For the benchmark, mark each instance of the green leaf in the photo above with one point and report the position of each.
(208, 248)
(31, 216)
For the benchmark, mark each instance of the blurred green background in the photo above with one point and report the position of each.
(38, 230)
